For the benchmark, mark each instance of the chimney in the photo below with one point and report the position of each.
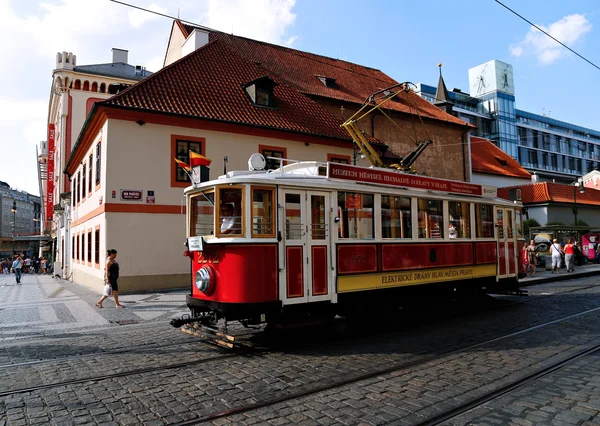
(119, 55)
(196, 40)
(535, 178)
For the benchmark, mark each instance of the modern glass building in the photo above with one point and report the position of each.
(553, 149)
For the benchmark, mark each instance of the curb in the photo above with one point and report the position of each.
(557, 277)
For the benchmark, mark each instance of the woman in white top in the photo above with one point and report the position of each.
(556, 251)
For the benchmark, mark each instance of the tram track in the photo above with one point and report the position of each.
(477, 402)
(142, 348)
(333, 383)
(241, 352)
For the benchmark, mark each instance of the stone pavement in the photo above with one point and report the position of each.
(42, 305)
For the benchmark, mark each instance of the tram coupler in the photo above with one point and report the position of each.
(185, 319)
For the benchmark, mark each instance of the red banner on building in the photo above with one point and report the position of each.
(50, 183)
(362, 174)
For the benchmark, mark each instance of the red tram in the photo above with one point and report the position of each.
(326, 238)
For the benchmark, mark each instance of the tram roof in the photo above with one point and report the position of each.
(322, 176)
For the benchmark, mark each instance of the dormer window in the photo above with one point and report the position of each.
(327, 81)
(260, 91)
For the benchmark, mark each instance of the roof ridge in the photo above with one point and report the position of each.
(299, 52)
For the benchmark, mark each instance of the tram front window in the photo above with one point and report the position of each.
(230, 220)
(202, 214)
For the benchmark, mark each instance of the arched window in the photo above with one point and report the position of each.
(103, 88)
(86, 85)
(77, 85)
(94, 86)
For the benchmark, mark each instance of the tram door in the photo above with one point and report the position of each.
(507, 261)
(304, 249)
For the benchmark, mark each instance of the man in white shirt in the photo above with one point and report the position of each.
(453, 232)
(17, 268)
(228, 221)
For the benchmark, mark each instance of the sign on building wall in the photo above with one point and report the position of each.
(50, 183)
(131, 195)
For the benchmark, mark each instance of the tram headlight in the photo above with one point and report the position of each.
(204, 280)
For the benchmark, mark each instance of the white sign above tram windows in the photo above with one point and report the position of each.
(195, 244)
(489, 191)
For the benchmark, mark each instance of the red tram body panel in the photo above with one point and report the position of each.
(299, 240)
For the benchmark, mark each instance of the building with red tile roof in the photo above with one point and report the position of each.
(225, 97)
(554, 202)
(492, 166)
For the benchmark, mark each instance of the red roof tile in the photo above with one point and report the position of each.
(546, 192)
(353, 83)
(208, 84)
(488, 158)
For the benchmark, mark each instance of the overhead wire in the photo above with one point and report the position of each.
(553, 38)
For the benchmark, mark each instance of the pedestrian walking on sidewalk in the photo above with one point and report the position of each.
(532, 257)
(570, 256)
(111, 275)
(557, 254)
(18, 267)
(43, 265)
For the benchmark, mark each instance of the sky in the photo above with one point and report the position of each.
(406, 39)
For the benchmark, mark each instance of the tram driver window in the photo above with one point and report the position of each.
(395, 217)
(431, 219)
(460, 219)
(202, 214)
(230, 220)
(356, 215)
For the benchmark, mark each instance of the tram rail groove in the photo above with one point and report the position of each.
(99, 353)
(245, 351)
(369, 375)
(476, 402)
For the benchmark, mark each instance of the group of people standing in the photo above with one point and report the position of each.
(20, 264)
(567, 251)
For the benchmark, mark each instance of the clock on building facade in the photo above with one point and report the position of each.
(490, 77)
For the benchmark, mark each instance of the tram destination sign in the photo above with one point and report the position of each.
(363, 174)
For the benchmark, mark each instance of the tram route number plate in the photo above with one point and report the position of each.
(195, 244)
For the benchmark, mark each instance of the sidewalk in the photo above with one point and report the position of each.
(543, 276)
(42, 305)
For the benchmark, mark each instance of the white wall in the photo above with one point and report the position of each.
(498, 181)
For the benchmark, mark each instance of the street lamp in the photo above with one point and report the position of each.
(579, 184)
(14, 212)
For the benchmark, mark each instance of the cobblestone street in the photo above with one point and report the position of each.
(66, 362)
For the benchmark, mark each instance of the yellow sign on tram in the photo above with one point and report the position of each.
(405, 278)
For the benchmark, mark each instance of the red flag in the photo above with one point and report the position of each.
(183, 165)
(199, 160)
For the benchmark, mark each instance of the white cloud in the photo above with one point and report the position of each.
(265, 20)
(33, 32)
(568, 30)
(137, 17)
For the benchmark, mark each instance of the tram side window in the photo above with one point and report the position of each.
(263, 212)
(519, 223)
(460, 219)
(509, 224)
(356, 215)
(230, 218)
(484, 221)
(431, 218)
(395, 217)
(202, 214)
